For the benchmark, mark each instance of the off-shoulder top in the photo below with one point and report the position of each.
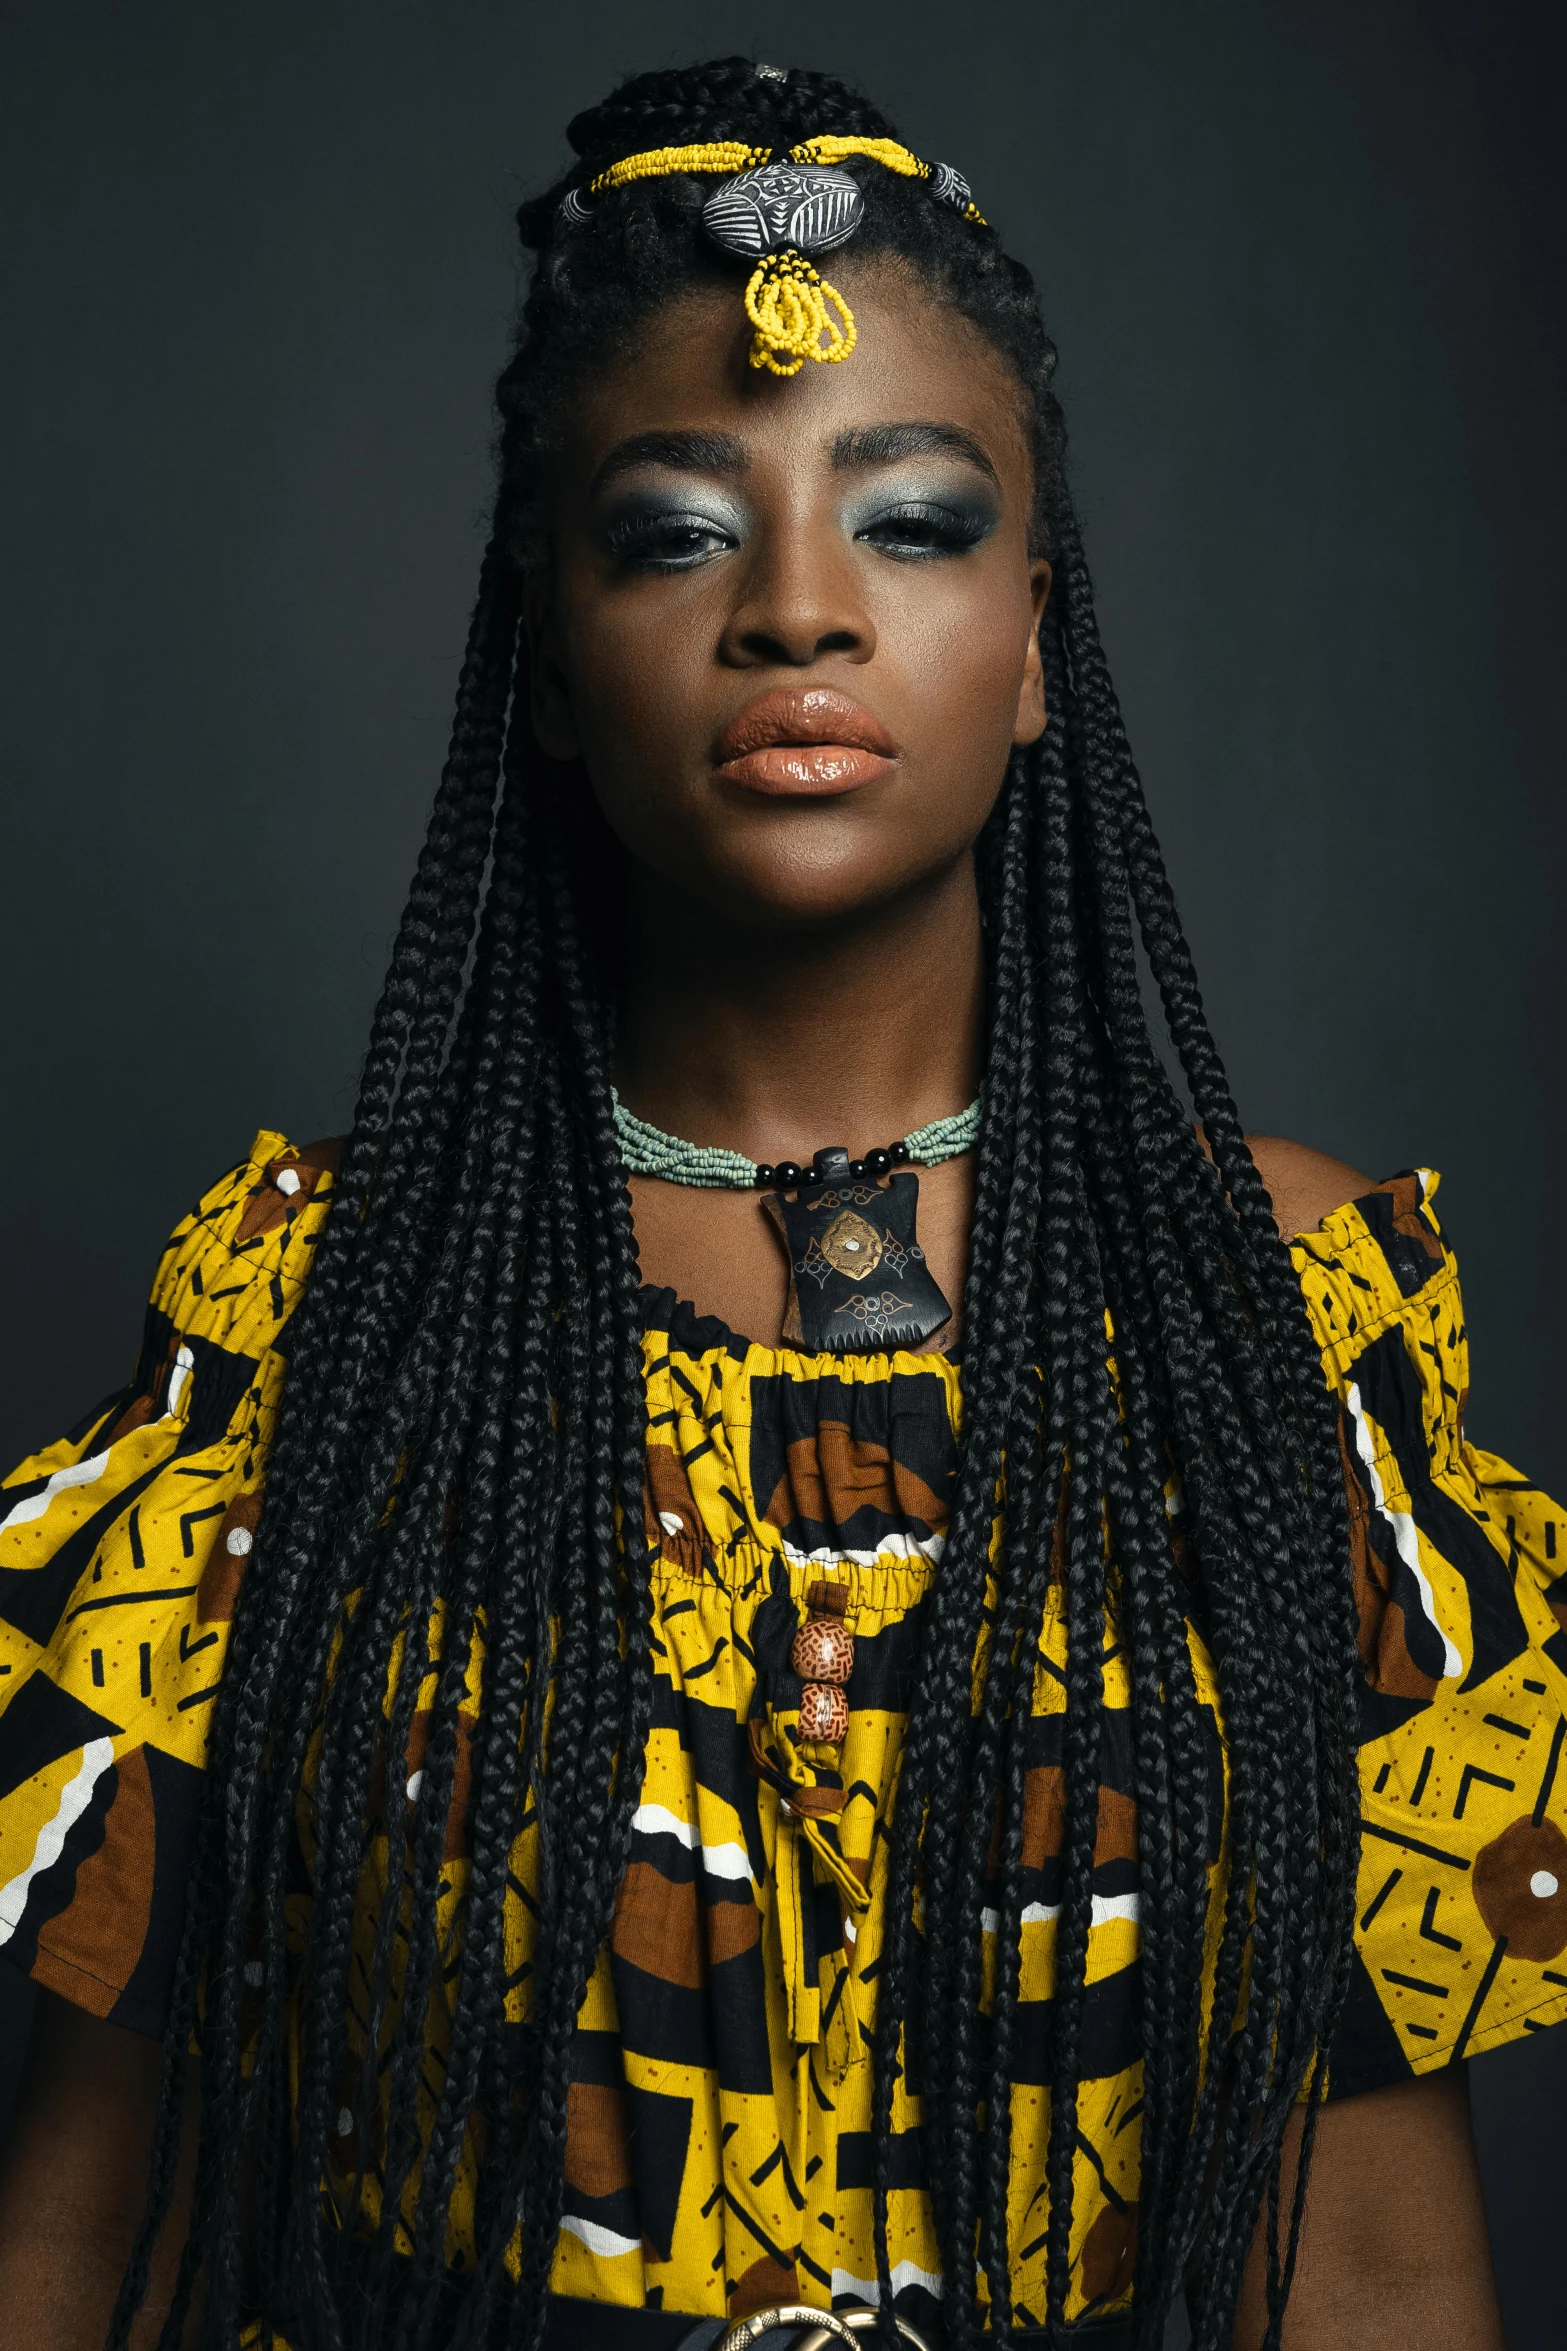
(719, 2149)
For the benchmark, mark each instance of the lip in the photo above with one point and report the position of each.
(804, 741)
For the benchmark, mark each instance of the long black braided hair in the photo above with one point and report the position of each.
(459, 1463)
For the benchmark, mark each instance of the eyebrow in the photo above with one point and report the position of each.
(692, 452)
(884, 444)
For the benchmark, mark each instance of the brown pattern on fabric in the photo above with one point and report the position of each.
(831, 1476)
(732, 1927)
(135, 1416)
(269, 1206)
(765, 2283)
(1384, 1643)
(667, 1495)
(657, 1928)
(1044, 1820)
(149, 1404)
(731, 2030)
(1505, 1888)
(1405, 1193)
(456, 1845)
(1108, 2261)
(98, 1940)
(598, 2139)
(225, 1569)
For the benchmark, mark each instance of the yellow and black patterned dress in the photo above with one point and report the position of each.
(719, 2146)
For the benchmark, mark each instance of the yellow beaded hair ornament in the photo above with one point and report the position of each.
(777, 214)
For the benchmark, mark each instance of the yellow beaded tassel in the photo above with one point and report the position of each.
(786, 302)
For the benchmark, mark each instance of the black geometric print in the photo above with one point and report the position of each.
(1390, 1392)
(41, 1724)
(176, 1795)
(1403, 1232)
(1366, 2053)
(877, 1457)
(52, 1890)
(660, 2136)
(1110, 2031)
(34, 1599)
(718, 2126)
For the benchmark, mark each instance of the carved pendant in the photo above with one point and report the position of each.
(857, 1275)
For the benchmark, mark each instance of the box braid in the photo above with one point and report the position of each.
(460, 1451)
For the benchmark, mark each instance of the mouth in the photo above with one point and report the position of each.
(806, 742)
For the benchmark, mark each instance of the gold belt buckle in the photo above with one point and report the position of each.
(821, 2327)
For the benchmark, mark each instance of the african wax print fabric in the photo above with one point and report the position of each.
(719, 2148)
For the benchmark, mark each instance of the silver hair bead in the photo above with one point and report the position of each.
(950, 186)
(809, 206)
(573, 213)
(772, 73)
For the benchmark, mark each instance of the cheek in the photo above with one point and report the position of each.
(639, 669)
(957, 648)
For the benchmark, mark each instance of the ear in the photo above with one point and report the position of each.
(1031, 694)
(549, 691)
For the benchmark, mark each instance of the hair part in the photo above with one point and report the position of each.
(459, 1461)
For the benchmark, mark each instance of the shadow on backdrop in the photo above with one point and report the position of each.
(1304, 269)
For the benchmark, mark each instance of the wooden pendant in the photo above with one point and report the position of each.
(857, 1275)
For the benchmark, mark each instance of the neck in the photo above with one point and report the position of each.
(777, 1042)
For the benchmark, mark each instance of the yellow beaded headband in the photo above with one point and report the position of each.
(776, 214)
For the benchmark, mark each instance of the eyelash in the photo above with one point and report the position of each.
(950, 531)
(642, 542)
(915, 531)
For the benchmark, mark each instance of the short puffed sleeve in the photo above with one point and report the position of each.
(122, 1548)
(1461, 1579)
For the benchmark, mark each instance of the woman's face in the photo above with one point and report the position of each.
(790, 625)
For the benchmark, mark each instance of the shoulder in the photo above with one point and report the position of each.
(1304, 1185)
(122, 1550)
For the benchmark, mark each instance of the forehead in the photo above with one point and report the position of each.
(687, 369)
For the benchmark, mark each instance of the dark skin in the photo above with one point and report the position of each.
(832, 992)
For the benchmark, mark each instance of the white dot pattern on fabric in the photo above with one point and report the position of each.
(414, 1785)
(671, 1522)
(287, 1182)
(1544, 1884)
(238, 1544)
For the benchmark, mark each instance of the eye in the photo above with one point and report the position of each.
(917, 528)
(667, 540)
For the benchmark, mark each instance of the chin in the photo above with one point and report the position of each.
(809, 894)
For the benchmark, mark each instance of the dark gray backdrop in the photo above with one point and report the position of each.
(1305, 269)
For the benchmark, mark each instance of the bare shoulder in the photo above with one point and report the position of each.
(1304, 1185)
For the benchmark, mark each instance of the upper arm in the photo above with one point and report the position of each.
(74, 2181)
(1304, 1185)
(1394, 2254)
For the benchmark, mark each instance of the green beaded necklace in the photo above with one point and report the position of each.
(647, 1150)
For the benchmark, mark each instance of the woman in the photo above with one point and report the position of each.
(876, 1813)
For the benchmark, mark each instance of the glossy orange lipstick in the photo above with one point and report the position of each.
(805, 741)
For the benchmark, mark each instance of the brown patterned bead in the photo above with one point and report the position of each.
(823, 1651)
(824, 1712)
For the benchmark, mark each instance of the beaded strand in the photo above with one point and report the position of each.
(647, 1150)
(657, 163)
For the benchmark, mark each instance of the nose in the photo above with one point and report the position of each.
(800, 599)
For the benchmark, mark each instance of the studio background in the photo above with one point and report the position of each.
(1305, 269)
